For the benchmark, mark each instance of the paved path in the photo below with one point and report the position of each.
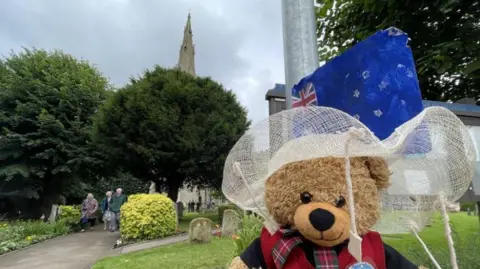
(75, 251)
(158, 242)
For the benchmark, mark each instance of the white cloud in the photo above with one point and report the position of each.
(238, 43)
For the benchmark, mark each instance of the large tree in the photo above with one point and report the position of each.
(171, 128)
(444, 37)
(47, 100)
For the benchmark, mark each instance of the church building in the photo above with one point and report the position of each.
(186, 63)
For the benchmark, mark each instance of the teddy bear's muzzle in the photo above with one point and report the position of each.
(322, 223)
(321, 219)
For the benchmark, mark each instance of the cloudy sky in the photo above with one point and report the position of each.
(238, 43)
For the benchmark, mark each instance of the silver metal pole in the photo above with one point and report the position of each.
(299, 42)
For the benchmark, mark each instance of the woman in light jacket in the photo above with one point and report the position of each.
(89, 207)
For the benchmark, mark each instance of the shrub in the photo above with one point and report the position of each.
(70, 215)
(20, 234)
(465, 205)
(147, 216)
(250, 228)
(222, 209)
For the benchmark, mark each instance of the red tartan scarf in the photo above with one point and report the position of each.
(325, 258)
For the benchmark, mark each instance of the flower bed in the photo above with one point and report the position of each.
(20, 234)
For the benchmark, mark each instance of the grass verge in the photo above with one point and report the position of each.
(219, 253)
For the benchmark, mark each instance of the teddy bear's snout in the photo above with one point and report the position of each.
(321, 219)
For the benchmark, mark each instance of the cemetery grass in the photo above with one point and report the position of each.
(215, 255)
(184, 222)
(219, 253)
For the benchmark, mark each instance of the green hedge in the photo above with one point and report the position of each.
(222, 208)
(465, 205)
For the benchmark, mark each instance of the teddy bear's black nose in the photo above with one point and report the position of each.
(321, 219)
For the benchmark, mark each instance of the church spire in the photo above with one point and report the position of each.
(186, 61)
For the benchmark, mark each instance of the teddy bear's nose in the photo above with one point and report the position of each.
(321, 219)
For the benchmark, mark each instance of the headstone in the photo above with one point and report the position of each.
(200, 230)
(453, 207)
(53, 213)
(477, 212)
(176, 212)
(180, 209)
(469, 212)
(152, 189)
(230, 223)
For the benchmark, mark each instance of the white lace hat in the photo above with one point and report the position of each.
(429, 155)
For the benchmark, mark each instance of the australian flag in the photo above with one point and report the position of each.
(375, 81)
(305, 97)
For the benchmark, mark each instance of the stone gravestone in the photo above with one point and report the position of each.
(152, 189)
(53, 213)
(477, 212)
(180, 209)
(176, 212)
(469, 212)
(200, 230)
(230, 223)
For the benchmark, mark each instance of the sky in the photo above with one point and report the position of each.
(237, 43)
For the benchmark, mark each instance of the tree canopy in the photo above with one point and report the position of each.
(444, 38)
(47, 100)
(171, 128)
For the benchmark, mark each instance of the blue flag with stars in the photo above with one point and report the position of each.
(374, 81)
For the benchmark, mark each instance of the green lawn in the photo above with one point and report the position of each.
(215, 255)
(184, 222)
(218, 253)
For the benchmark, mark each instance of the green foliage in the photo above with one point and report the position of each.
(147, 216)
(217, 194)
(126, 181)
(47, 100)
(222, 209)
(465, 205)
(251, 227)
(171, 128)
(20, 234)
(444, 38)
(70, 215)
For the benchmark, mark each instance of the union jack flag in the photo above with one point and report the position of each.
(305, 97)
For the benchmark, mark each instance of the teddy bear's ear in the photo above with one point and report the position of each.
(378, 171)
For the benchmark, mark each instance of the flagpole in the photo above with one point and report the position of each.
(299, 42)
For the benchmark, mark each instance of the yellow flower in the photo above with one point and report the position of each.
(29, 238)
(235, 237)
(218, 226)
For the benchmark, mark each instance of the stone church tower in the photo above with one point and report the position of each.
(186, 61)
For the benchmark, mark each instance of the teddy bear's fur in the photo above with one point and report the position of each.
(323, 179)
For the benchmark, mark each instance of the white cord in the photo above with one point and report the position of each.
(352, 133)
(413, 228)
(448, 231)
(270, 224)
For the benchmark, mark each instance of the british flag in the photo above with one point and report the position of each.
(305, 97)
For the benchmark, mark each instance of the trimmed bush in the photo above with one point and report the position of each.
(222, 209)
(70, 215)
(147, 216)
(465, 205)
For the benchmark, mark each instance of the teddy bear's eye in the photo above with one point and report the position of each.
(305, 197)
(340, 202)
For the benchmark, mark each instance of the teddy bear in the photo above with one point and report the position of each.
(321, 180)
(307, 199)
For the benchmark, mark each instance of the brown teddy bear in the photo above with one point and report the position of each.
(307, 199)
(319, 178)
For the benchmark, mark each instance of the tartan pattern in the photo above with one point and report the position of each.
(325, 258)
